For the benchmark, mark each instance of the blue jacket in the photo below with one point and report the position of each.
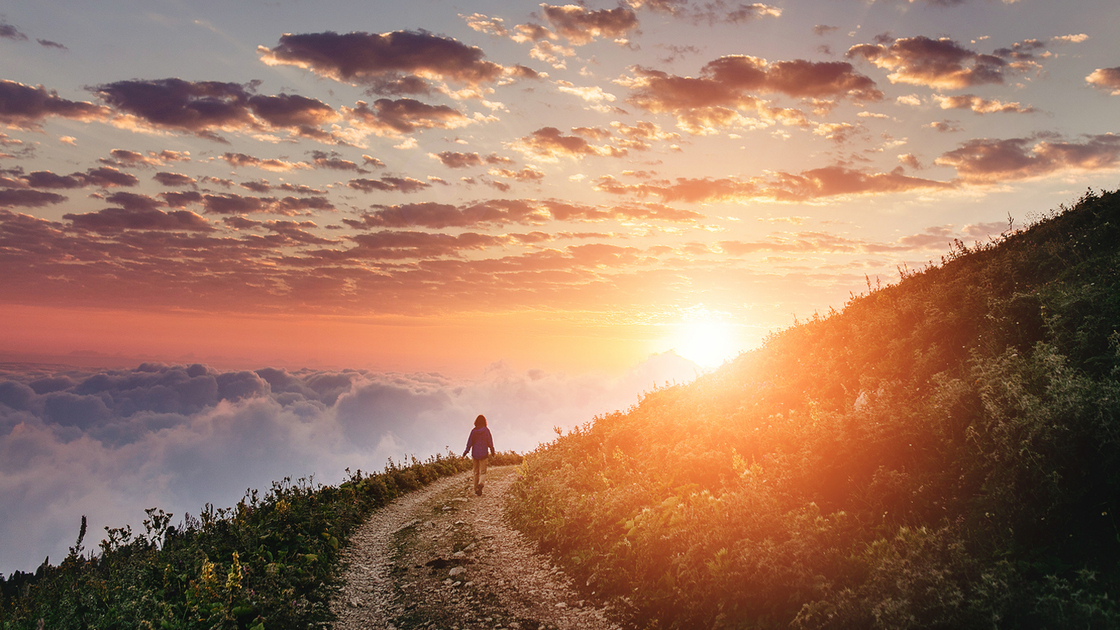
(481, 440)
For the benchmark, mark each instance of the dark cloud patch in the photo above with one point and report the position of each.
(455, 159)
(388, 183)
(46, 43)
(25, 107)
(549, 143)
(7, 31)
(580, 25)
(937, 63)
(502, 212)
(237, 204)
(261, 186)
(26, 198)
(205, 108)
(174, 179)
(400, 245)
(268, 164)
(729, 82)
(403, 116)
(987, 161)
(182, 199)
(135, 215)
(332, 161)
(830, 181)
(395, 61)
(710, 11)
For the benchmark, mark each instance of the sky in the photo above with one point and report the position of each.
(421, 199)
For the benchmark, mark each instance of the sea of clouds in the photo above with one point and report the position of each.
(108, 444)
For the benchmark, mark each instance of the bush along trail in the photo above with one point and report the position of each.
(269, 562)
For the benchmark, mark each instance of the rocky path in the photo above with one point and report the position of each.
(443, 558)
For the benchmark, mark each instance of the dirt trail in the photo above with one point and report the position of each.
(442, 557)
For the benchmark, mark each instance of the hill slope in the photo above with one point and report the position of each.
(941, 454)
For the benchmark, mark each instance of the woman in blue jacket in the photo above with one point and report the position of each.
(477, 444)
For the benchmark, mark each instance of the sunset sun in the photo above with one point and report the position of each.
(707, 342)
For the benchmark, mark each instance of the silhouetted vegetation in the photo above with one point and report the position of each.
(943, 453)
(269, 562)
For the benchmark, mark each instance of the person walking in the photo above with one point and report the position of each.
(477, 444)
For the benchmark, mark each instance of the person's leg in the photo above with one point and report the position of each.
(478, 464)
(482, 474)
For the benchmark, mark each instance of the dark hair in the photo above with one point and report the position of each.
(480, 421)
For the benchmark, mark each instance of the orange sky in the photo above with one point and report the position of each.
(563, 186)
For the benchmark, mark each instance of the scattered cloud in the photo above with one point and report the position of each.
(580, 25)
(729, 85)
(937, 63)
(1106, 79)
(237, 160)
(205, 108)
(820, 183)
(549, 144)
(982, 105)
(986, 161)
(388, 184)
(386, 62)
(403, 116)
(25, 107)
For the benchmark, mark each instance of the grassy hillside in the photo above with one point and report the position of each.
(270, 562)
(943, 453)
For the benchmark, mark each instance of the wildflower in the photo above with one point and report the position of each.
(233, 579)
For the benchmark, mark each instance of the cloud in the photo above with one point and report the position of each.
(109, 444)
(388, 184)
(1106, 79)
(138, 218)
(455, 159)
(499, 213)
(986, 161)
(549, 144)
(229, 203)
(820, 183)
(26, 198)
(485, 24)
(384, 60)
(711, 12)
(7, 31)
(174, 179)
(271, 164)
(981, 105)
(581, 26)
(527, 174)
(937, 63)
(729, 85)
(123, 158)
(403, 116)
(103, 177)
(25, 107)
(204, 108)
(321, 159)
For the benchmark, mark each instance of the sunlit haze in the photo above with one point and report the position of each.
(494, 196)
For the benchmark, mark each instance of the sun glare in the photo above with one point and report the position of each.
(706, 342)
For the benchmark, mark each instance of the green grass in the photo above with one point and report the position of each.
(943, 453)
(268, 562)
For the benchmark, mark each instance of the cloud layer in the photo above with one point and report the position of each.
(110, 444)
